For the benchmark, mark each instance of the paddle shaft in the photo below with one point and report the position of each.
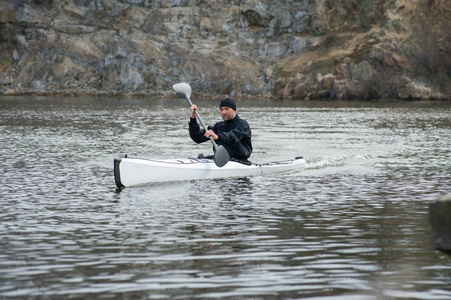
(222, 156)
(201, 122)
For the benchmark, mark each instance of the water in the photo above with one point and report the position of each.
(353, 225)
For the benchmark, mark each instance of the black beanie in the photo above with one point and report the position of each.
(228, 102)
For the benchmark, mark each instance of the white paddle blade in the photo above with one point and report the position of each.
(182, 89)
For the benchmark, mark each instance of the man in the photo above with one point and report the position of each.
(233, 132)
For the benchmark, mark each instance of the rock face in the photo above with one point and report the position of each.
(373, 50)
(341, 49)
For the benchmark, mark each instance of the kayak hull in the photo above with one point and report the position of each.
(138, 171)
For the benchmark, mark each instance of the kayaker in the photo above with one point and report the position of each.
(233, 132)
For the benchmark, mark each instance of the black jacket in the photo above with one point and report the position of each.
(234, 135)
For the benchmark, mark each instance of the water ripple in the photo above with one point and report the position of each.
(353, 225)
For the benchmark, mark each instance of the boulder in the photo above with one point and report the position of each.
(370, 13)
(296, 89)
(283, 17)
(341, 72)
(361, 71)
(440, 221)
(326, 82)
(415, 91)
(254, 18)
(7, 14)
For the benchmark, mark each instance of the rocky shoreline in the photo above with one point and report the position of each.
(323, 49)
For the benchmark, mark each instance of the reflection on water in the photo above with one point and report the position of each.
(353, 225)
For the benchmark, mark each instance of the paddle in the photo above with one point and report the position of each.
(221, 155)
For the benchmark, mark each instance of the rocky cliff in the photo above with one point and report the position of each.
(323, 49)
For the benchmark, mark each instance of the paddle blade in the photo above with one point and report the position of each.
(182, 89)
(222, 157)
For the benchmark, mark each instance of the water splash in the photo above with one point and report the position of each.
(167, 93)
(356, 164)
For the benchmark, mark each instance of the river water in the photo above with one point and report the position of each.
(353, 225)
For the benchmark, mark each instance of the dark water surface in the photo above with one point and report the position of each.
(353, 225)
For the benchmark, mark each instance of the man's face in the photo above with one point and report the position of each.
(227, 113)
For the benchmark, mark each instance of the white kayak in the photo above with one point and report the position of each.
(138, 171)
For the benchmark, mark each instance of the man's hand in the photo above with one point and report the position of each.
(212, 134)
(193, 108)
